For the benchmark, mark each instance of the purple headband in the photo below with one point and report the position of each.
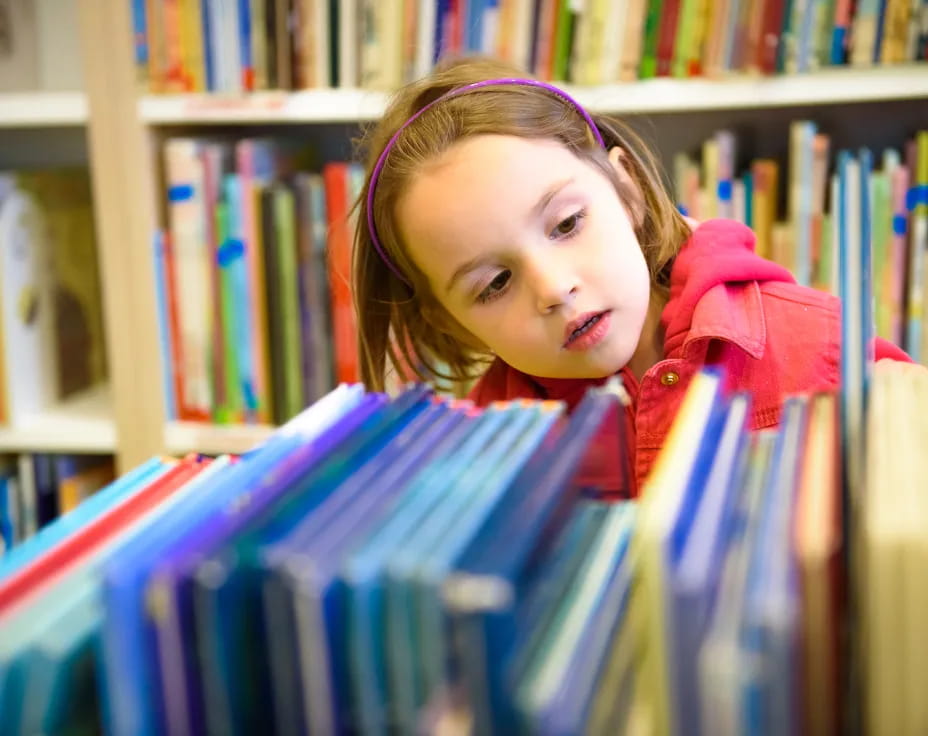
(375, 176)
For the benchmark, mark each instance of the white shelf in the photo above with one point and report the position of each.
(213, 439)
(830, 86)
(83, 423)
(826, 87)
(308, 106)
(42, 109)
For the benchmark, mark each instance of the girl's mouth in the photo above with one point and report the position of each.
(587, 330)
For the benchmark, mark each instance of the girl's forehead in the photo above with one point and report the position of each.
(493, 171)
(495, 176)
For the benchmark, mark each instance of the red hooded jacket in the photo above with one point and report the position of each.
(728, 307)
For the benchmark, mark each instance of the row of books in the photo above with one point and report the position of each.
(51, 322)
(253, 276)
(36, 489)
(215, 46)
(416, 565)
(802, 236)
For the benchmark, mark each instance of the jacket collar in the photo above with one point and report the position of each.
(730, 312)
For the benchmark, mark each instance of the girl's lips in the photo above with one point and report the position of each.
(587, 330)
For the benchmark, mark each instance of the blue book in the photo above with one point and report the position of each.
(164, 326)
(226, 583)
(770, 625)
(50, 643)
(188, 690)
(698, 555)
(302, 597)
(234, 269)
(557, 689)
(721, 661)
(129, 677)
(510, 553)
(416, 572)
(66, 525)
(363, 573)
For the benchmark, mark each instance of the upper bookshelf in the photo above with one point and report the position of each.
(42, 109)
(664, 95)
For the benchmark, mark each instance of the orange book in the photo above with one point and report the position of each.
(177, 358)
(81, 484)
(344, 328)
(544, 40)
(173, 46)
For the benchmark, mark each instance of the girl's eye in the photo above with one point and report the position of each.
(495, 287)
(568, 226)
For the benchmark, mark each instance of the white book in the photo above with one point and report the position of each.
(30, 358)
(349, 42)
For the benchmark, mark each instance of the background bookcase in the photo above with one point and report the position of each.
(123, 128)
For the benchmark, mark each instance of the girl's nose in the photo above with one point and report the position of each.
(552, 285)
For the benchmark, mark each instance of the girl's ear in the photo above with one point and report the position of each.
(617, 158)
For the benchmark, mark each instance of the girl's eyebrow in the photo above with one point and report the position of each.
(546, 198)
(463, 270)
(539, 207)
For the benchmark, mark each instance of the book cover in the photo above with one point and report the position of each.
(29, 351)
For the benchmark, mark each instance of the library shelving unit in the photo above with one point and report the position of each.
(49, 126)
(127, 126)
(42, 109)
(83, 423)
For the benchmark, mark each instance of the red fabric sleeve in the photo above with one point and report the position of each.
(885, 349)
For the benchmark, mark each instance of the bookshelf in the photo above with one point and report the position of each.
(42, 109)
(666, 95)
(80, 424)
(126, 127)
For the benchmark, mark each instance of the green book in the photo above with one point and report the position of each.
(652, 29)
(288, 292)
(882, 238)
(564, 31)
(686, 44)
(228, 401)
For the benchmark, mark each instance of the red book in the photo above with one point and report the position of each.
(176, 357)
(667, 36)
(771, 25)
(58, 561)
(344, 328)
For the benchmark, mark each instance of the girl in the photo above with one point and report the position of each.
(505, 234)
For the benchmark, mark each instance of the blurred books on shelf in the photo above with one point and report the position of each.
(406, 563)
(240, 47)
(252, 276)
(804, 236)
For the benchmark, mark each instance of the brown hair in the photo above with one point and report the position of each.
(408, 327)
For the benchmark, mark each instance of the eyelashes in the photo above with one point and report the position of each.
(566, 229)
(496, 288)
(569, 226)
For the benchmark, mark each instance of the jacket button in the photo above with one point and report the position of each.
(669, 378)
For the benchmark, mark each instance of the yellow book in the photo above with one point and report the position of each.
(191, 39)
(818, 543)
(765, 174)
(710, 171)
(892, 551)
(660, 500)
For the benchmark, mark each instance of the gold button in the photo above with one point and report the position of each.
(669, 378)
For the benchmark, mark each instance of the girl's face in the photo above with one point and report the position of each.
(533, 254)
